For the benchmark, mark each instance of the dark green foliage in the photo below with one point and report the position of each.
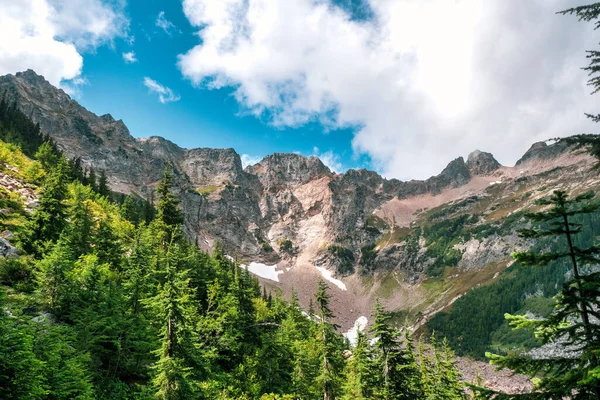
(574, 321)
(49, 218)
(17, 128)
(105, 305)
(345, 258)
(83, 128)
(367, 256)
(103, 189)
(398, 375)
(286, 245)
(470, 325)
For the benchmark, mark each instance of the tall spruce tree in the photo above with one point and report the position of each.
(331, 352)
(49, 219)
(396, 366)
(574, 323)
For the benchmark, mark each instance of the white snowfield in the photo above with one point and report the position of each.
(264, 271)
(327, 275)
(259, 269)
(359, 325)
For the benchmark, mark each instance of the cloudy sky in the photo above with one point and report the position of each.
(399, 86)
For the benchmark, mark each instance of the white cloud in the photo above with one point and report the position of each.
(330, 159)
(129, 57)
(249, 160)
(165, 95)
(165, 24)
(423, 81)
(49, 35)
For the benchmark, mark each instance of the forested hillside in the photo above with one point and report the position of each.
(104, 297)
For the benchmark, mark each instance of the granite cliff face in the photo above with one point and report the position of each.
(293, 214)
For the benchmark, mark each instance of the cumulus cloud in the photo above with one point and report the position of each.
(165, 24)
(165, 95)
(129, 57)
(330, 159)
(249, 160)
(50, 35)
(422, 82)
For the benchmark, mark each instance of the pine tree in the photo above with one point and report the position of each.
(49, 219)
(103, 189)
(574, 321)
(360, 371)
(396, 366)
(331, 357)
(174, 309)
(91, 179)
(169, 216)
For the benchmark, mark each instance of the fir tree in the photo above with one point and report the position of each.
(397, 369)
(174, 309)
(48, 221)
(574, 321)
(103, 189)
(331, 358)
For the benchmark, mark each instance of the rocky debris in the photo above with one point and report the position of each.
(7, 250)
(482, 163)
(8, 235)
(285, 196)
(27, 192)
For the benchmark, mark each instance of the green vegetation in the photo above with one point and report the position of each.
(345, 258)
(109, 300)
(206, 190)
(375, 224)
(285, 245)
(569, 323)
(476, 320)
(367, 257)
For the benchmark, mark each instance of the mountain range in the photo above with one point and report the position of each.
(291, 220)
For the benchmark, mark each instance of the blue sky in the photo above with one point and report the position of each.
(200, 118)
(399, 86)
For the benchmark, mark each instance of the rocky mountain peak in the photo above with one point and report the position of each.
(482, 163)
(206, 166)
(31, 77)
(455, 174)
(288, 168)
(542, 151)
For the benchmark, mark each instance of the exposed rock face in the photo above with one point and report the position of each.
(482, 163)
(542, 151)
(285, 196)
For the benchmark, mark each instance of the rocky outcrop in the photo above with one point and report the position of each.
(482, 163)
(542, 151)
(284, 196)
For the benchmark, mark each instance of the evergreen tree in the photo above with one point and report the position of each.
(91, 179)
(573, 323)
(168, 203)
(173, 308)
(360, 371)
(397, 369)
(331, 352)
(103, 189)
(49, 219)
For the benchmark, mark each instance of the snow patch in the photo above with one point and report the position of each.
(328, 276)
(359, 325)
(264, 271)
